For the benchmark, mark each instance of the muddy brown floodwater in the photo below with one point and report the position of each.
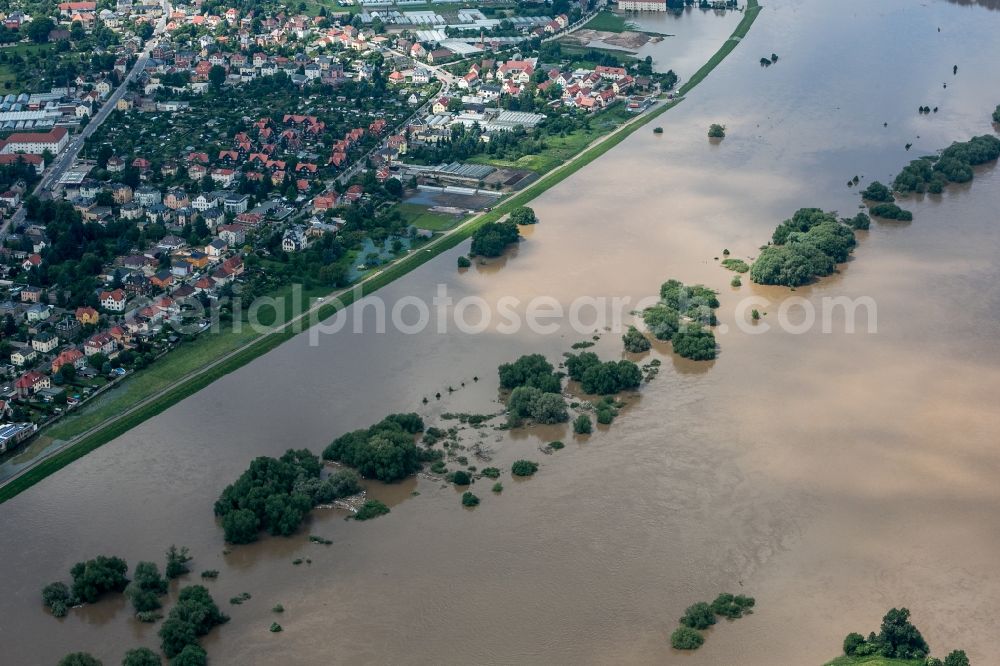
(830, 475)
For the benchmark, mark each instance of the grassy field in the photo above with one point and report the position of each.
(575, 50)
(27, 51)
(422, 218)
(608, 22)
(561, 148)
(216, 356)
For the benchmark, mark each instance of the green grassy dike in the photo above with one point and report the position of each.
(875, 661)
(179, 380)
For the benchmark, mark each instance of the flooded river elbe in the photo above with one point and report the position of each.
(830, 475)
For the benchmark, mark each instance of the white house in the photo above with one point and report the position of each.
(113, 301)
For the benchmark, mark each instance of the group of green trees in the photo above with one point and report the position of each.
(386, 451)
(530, 370)
(635, 342)
(535, 391)
(689, 336)
(523, 215)
(696, 302)
(808, 245)
(877, 192)
(78, 251)
(276, 494)
(899, 639)
(528, 402)
(890, 211)
(94, 578)
(17, 171)
(702, 615)
(931, 174)
(491, 239)
(602, 378)
(195, 614)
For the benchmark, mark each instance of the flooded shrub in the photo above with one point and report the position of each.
(528, 402)
(790, 265)
(271, 495)
(661, 320)
(698, 616)
(177, 562)
(194, 616)
(891, 211)
(491, 239)
(57, 598)
(461, 478)
(859, 221)
(79, 659)
(530, 370)
(732, 607)
(491, 472)
(523, 468)
(582, 425)
(685, 638)
(716, 131)
(371, 509)
(385, 451)
(146, 587)
(498, 487)
(694, 342)
(211, 574)
(275, 628)
(603, 378)
(737, 265)
(634, 341)
(463, 261)
(877, 192)
(523, 215)
(94, 578)
(141, 657)
(468, 499)
(687, 299)
(605, 416)
(191, 655)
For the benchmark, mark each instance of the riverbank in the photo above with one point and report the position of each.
(178, 380)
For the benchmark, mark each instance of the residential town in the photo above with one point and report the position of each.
(235, 151)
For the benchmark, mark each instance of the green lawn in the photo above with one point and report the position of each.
(422, 218)
(162, 373)
(608, 22)
(575, 50)
(27, 51)
(537, 163)
(559, 149)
